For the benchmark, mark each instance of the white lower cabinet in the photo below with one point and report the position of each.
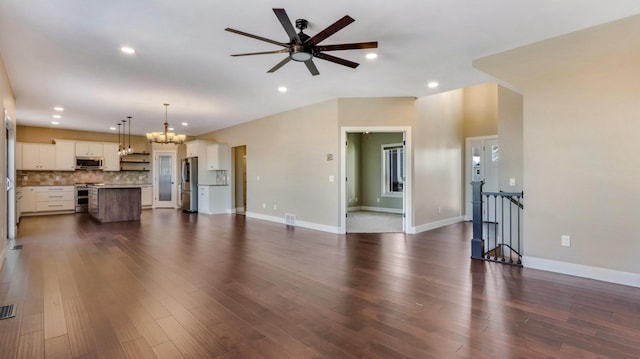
(55, 198)
(25, 201)
(147, 197)
(213, 199)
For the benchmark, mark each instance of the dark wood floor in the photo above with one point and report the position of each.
(177, 285)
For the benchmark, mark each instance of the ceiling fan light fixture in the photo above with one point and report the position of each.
(298, 54)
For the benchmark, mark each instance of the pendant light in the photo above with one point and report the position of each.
(130, 149)
(123, 152)
(119, 147)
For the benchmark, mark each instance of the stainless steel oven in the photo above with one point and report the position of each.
(82, 197)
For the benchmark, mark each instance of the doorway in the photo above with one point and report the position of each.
(482, 161)
(240, 179)
(10, 171)
(164, 179)
(376, 168)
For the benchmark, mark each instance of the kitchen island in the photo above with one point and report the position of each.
(113, 203)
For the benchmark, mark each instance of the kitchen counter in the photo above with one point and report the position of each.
(114, 203)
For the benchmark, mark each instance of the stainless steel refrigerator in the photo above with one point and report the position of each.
(190, 184)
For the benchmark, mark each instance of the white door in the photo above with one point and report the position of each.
(165, 180)
(483, 164)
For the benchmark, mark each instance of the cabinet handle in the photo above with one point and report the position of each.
(55, 189)
(55, 196)
(55, 205)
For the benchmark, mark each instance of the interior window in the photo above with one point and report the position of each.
(392, 170)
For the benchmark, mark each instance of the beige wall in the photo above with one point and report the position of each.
(480, 109)
(288, 151)
(510, 112)
(8, 104)
(581, 147)
(438, 149)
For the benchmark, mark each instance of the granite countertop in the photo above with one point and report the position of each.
(116, 185)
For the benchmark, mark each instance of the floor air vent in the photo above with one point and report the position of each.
(290, 219)
(18, 246)
(6, 312)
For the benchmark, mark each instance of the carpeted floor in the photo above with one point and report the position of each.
(373, 222)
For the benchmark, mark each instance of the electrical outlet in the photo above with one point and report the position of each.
(378, 200)
(439, 209)
(274, 206)
(512, 182)
(331, 178)
(264, 205)
(257, 178)
(565, 240)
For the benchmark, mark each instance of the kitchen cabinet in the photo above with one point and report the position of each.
(36, 156)
(65, 155)
(213, 199)
(197, 149)
(89, 149)
(25, 201)
(111, 156)
(217, 157)
(55, 198)
(146, 197)
(18, 156)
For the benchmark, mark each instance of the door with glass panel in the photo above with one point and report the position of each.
(483, 164)
(165, 186)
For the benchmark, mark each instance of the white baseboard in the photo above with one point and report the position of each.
(376, 209)
(303, 224)
(433, 225)
(580, 270)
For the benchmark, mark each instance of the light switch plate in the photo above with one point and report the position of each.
(565, 240)
(512, 182)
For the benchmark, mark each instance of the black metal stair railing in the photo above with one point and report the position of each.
(497, 229)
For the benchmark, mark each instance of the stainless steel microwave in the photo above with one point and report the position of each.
(89, 163)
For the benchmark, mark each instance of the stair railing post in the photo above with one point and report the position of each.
(477, 243)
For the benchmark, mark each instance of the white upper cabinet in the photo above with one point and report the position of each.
(65, 155)
(217, 157)
(89, 149)
(111, 157)
(36, 156)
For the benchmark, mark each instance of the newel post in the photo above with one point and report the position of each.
(477, 243)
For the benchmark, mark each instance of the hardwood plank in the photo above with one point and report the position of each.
(57, 348)
(167, 351)
(188, 346)
(54, 319)
(31, 346)
(138, 349)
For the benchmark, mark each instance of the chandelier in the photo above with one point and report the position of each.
(166, 136)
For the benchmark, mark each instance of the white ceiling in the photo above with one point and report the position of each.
(66, 53)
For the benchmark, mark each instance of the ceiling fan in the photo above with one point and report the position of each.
(303, 48)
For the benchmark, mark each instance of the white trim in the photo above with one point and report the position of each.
(375, 209)
(303, 224)
(407, 204)
(433, 225)
(580, 270)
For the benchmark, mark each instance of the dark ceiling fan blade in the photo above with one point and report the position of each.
(256, 37)
(312, 67)
(337, 60)
(286, 23)
(355, 46)
(330, 30)
(262, 53)
(280, 64)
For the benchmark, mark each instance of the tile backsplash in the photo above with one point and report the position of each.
(61, 178)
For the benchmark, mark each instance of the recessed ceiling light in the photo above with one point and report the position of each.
(128, 50)
(57, 116)
(171, 129)
(55, 122)
(282, 89)
(112, 128)
(433, 84)
(184, 124)
(58, 108)
(371, 56)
